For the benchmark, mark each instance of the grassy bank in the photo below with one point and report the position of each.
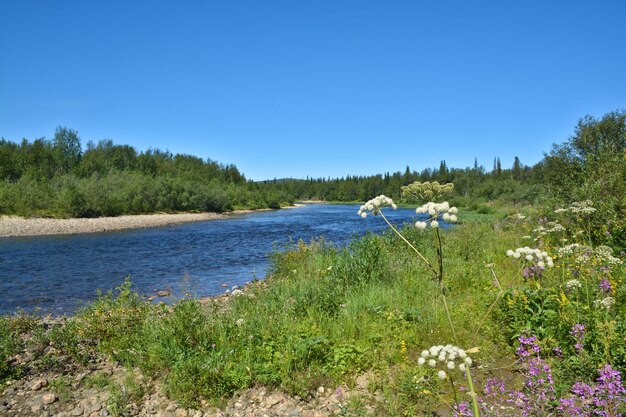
(326, 316)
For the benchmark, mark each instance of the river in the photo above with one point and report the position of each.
(57, 274)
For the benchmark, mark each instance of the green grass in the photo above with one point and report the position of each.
(326, 315)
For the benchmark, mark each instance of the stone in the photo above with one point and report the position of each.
(163, 293)
(39, 384)
(272, 400)
(78, 411)
(181, 413)
(36, 408)
(48, 398)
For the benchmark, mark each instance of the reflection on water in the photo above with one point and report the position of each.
(54, 273)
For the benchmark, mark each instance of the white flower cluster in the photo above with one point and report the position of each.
(605, 253)
(445, 356)
(606, 303)
(541, 258)
(375, 204)
(551, 227)
(517, 216)
(570, 249)
(573, 283)
(434, 210)
(579, 207)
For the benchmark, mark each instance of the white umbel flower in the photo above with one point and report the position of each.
(445, 358)
(375, 204)
(541, 258)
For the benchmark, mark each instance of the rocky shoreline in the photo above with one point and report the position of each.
(14, 226)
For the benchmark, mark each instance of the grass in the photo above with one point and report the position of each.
(323, 317)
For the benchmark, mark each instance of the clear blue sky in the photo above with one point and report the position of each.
(317, 88)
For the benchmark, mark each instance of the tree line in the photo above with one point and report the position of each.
(57, 178)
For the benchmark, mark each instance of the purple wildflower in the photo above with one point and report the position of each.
(462, 409)
(534, 271)
(527, 346)
(605, 286)
(578, 331)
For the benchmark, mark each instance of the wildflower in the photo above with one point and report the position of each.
(579, 207)
(447, 356)
(605, 286)
(605, 254)
(435, 212)
(441, 374)
(606, 303)
(239, 322)
(539, 257)
(573, 283)
(375, 204)
(528, 346)
(426, 190)
(578, 332)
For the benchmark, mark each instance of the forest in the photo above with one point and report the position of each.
(57, 178)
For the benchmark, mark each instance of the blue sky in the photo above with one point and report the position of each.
(317, 88)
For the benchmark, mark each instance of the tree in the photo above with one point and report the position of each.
(67, 149)
(516, 172)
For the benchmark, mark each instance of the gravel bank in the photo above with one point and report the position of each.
(13, 226)
(19, 226)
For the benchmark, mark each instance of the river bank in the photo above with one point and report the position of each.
(98, 386)
(14, 226)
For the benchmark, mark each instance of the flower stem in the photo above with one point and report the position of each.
(472, 393)
(408, 243)
(445, 306)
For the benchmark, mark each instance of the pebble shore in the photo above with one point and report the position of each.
(13, 226)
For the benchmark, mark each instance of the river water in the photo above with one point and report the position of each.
(57, 274)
